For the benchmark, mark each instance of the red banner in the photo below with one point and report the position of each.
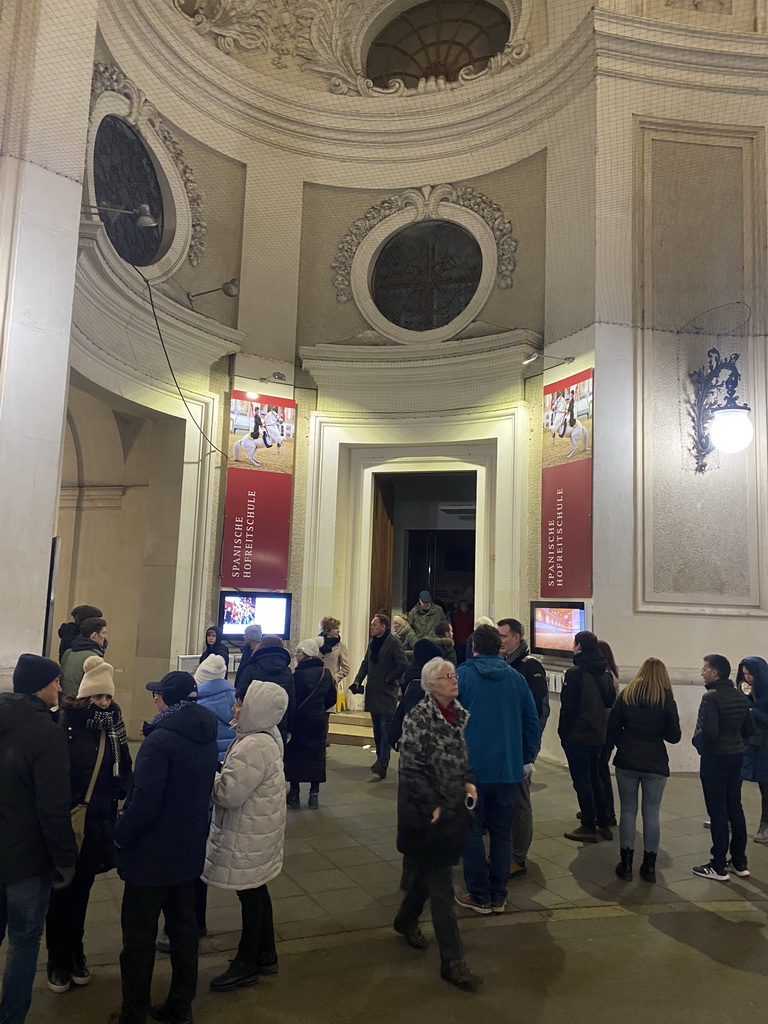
(257, 513)
(566, 488)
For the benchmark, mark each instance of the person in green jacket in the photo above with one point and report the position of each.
(92, 640)
(404, 633)
(424, 616)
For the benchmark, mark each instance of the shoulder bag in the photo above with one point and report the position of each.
(78, 813)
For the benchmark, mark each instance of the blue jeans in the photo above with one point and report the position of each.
(381, 724)
(487, 882)
(23, 906)
(629, 783)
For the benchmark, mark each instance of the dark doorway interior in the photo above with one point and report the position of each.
(443, 562)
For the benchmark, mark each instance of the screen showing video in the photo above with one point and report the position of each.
(270, 611)
(554, 627)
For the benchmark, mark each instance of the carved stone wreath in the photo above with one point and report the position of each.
(316, 34)
(467, 196)
(108, 78)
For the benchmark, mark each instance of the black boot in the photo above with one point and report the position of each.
(624, 868)
(293, 798)
(648, 867)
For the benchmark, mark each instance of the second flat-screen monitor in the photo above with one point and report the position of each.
(270, 611)
(554, 624)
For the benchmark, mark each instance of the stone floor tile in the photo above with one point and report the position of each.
(347, 901)
(302, 862)
(365, 873)
(352, 856)
(321, 881)
(296, 908)
(332, 841)
(307, 929)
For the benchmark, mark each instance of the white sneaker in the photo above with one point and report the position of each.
(741, 872)
(708, 871)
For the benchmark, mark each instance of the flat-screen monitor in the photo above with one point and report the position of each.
(238, 609)
(554, 624)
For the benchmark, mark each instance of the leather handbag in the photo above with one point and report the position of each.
(78, 813)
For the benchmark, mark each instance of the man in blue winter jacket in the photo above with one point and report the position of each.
(503, 738)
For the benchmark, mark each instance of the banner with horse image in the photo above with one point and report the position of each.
(257, 512)
(566, 488)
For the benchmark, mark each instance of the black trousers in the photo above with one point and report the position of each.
(434, 882)
(584, 766)
(721, 782)
(605, 777)
(257, 940)
(140, 913)
(65, 923)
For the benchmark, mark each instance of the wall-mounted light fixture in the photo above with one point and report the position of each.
(542, 355)
(143, 215)
(230, 288)
(719, 420)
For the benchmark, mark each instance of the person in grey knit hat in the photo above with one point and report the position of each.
(315, 697)
(251, 639)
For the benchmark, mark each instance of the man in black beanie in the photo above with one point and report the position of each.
(587, 695)
(37, 844)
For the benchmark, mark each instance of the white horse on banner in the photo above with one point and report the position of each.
(577, 432)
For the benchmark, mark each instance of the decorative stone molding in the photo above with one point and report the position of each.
(322, 37)
(144, 116)
(467, 206)
(91, 497)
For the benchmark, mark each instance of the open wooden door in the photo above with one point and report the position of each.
(383, 544)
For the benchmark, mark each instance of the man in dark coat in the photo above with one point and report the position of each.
(160, 839)
(69, 631)
(587, 696)
(270, 663)
(723, 726)
(36, 837)
(514, 650)
(383, 664)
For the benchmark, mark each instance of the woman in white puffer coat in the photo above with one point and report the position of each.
(245, 844)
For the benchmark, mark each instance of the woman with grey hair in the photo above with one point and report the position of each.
(305, 750)
(433, 795)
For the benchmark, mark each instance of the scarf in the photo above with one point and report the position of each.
(450, 712)
(376, 645)
(170, 710)
(329, 642)
(111, 722)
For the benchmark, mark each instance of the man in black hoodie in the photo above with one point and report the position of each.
(36, 837)
(586, 698)
(514, 650)
(270, 663)
(69, 631)
(723, 726)
(92, 640)
(160, 842)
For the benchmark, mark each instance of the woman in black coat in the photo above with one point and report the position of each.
(304, 757)
(214, 644)
(86, 718)
(643, 719)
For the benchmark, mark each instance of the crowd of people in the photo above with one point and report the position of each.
(222, 763)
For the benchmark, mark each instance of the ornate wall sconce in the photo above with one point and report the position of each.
(719, 421)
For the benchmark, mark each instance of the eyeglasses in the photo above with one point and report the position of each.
(451, 675)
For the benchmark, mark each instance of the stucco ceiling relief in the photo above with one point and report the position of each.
(322, 37)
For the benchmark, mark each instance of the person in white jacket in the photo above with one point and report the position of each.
(245, 844)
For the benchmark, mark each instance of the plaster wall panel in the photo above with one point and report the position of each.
(328, 213)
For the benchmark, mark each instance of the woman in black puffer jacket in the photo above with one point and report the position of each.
(643, 718)
(86, 718)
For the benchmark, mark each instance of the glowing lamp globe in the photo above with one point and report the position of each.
(731, 430)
